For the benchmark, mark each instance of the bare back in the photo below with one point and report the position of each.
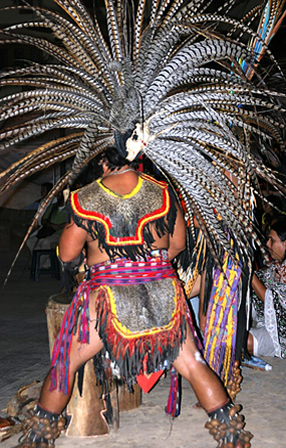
(121, 184)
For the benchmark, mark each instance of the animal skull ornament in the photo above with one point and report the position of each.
(138, 141)
(140, 137)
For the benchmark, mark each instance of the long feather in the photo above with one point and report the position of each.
(182, 68)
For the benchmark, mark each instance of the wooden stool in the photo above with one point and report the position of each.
(36, 270)
(86, 410)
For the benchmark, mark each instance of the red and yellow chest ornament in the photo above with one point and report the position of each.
(99, 217)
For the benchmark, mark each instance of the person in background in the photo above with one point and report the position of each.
(52, 225)
(267, 337)
(45, 189)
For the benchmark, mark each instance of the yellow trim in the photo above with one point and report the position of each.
(121, 196)
(128, 334)
(138, 237)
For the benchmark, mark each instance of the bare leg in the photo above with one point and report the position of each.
(47, 423)
(55, 401)
(250, 344)
(225, 425)
(206, 384)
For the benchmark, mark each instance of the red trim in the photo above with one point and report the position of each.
(123, 241)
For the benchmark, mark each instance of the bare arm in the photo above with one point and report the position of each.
(177, 241)
(258, 287)
(71, 242)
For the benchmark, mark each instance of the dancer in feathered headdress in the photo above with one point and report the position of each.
(167, 80)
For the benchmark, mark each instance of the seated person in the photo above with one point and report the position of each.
(45, 189)
(268, 335)
(53, 223)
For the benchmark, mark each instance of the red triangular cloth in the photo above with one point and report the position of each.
(147, 382)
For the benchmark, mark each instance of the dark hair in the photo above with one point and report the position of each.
(280, 228)
(114, 160)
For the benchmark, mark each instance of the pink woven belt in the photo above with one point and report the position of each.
(123, 271)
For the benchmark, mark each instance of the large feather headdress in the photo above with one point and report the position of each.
(183, 77)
